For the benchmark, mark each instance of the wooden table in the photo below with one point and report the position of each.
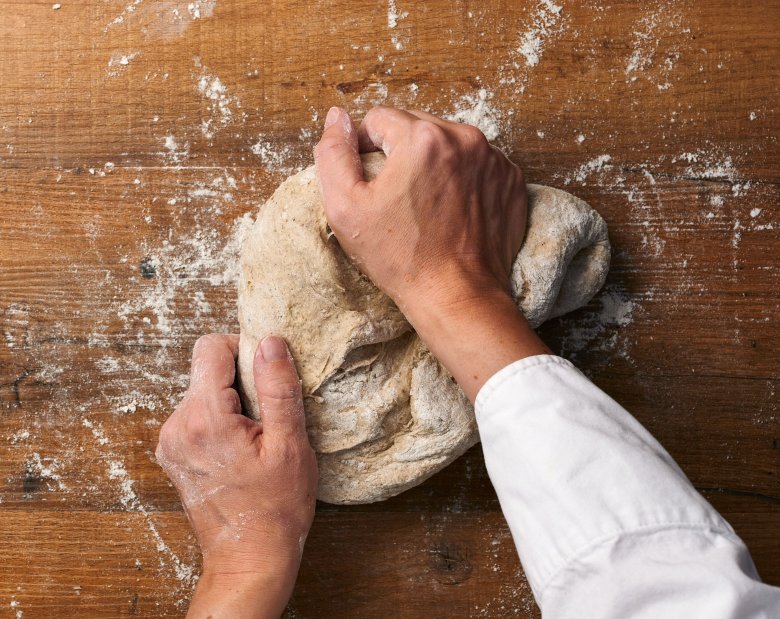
(136, 140)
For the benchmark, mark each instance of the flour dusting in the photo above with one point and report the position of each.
(476, 110)
(221, 105)
(602, 328)
(546, 22)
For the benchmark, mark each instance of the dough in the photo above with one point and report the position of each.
(381, 413)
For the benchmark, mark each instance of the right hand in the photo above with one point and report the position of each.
(438, 230)
(443, 220)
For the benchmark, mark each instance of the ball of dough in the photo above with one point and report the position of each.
(382, 414)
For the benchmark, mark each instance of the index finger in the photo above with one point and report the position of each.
(383, 128)
(214, 363)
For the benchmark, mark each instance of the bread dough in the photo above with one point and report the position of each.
(381, 413)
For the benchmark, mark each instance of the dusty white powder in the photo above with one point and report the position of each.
(46, 468)
(546, 21)
(97, 431)
(276, 157)
(476, 110)
(374, 93)
(221, 105)
(393, 15)
(163, 19)
(174, 151)
(20, 436)
(127, 11)
(130, 501)
(655, 50)
(596, 164)
(601, 329)
(119, 61)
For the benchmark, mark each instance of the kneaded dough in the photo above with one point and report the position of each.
(382, 414)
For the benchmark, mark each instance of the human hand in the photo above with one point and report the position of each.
(248, 488)
(441, 223)
(438, 230)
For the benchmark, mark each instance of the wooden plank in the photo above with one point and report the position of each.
(134, 136)
(135, 564)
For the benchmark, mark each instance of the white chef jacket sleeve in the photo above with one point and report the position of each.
(605, 522)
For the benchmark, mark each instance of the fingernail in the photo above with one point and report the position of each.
(273, 348)
(332, 117)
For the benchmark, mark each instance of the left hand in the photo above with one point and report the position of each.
(248, 488)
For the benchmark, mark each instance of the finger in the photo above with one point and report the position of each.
(278, 391)
(383, 128)
(339, 169)
(213, 363)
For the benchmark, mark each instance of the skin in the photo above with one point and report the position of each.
(437, 230)
(248, 489)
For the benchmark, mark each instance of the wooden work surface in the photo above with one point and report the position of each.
(134, 135)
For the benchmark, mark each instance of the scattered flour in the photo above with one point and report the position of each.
(128, 497)
(546, 21)
(119, 61)
(129, 9)
(277, 158)
(393, 15)
(201, 8)
(648, 58)
(97, 431)
(476, 110)
(373, 94)
(163, 20)
(46, 468)
(221, 105)
(175, 152)
(393, 18)
(19, 437)
(601, 329)
(204, 256)
(591, 167)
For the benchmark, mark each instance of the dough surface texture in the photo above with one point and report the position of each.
(381, 413)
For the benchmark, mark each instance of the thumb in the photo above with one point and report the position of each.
(278, 391)
(339, 169)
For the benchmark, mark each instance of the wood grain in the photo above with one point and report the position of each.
(134, 136)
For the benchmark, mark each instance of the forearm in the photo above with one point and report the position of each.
(240, 596)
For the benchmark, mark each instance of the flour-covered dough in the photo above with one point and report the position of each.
(381, 413)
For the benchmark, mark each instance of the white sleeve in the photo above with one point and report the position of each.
(605, 522)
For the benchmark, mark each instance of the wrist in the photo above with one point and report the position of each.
(243, 593)
(434, 306)
(474, 329)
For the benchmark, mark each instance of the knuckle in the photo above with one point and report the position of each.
(429, 136)
(473, 140)
(196, 429)
(326, 146)
(375, 111)
(228, 400)
(281, 388)
(206, 341)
